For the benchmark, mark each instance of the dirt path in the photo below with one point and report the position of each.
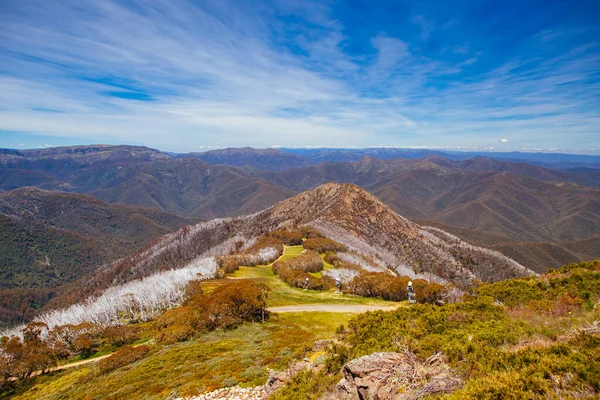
(82, 362)
(73, 364)
(65, 366)
(337, 308)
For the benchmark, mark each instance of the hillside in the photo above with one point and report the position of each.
(538, 256)
(254, 304)
(51, 238)
(233, 338)
(141, 177)
(344, 213)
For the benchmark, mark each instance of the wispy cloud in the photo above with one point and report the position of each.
(189, 74)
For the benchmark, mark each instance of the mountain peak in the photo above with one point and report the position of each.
(346, 204)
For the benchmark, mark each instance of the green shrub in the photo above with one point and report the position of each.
(556, 293)
(306, 385)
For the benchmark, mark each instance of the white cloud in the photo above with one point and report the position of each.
(217, 71)
(503, 140)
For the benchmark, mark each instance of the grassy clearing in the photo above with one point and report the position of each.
(221, 358)
(283, 294)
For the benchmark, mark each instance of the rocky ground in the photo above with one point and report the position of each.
(233, 393)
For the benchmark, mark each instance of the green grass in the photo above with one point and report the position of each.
(221, 358)
(283, 294)
(326, 266)
(80, 357)
(291, 252)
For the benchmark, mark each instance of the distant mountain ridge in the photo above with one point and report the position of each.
(549, 160)
(267, 159)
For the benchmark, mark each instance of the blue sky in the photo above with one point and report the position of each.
(190, 75)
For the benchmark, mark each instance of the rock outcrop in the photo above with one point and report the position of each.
(386, 376)
(278, 379)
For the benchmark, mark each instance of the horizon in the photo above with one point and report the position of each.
(301, 73)
(203, 149)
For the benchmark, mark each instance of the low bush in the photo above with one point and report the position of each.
(322, 245)
(465, 332)
(556, 293)
(124, 356)
(267, 249)
(297, 278)
(387, 287)
(290, 237)
(307, 385)
(177, 325)
(380, 285)
(332, 258)
(294, 271)
(309, 261)
(310, 233)
(500, 351)
(228, 264)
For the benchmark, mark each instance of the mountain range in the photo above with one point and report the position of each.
(543, 217)
(69, 213)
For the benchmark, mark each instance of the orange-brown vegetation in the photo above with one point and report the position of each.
(40, 349)
(308, 261)
(290, 237)
(257, 254)
(387, 287)
(121, 334)
(124, 356)
(310, 232)
(225, 307)
(295, 271)
(321, 245)
(332, 258)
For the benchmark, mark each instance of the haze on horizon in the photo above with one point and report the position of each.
(192, 75)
